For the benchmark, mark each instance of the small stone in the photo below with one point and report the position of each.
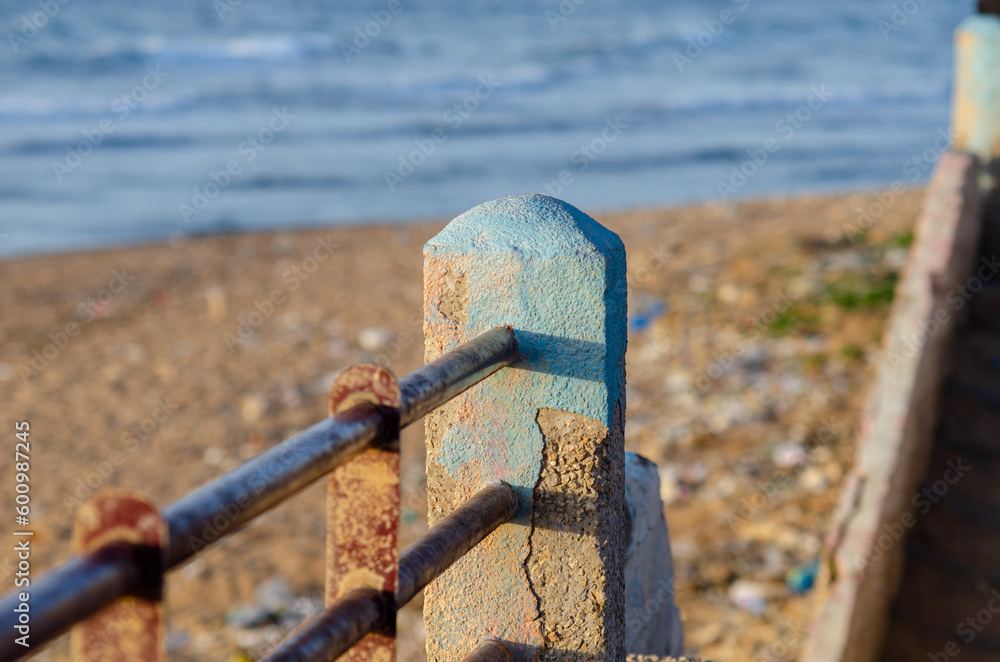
(670, 489)
(253, 407)
(375, 338)
(695, 474)
(274, 595)
(247, 616)
(749, 596)
(813, 480)
(291, 320)
(177, 640)
(789, 456)
(6, 372)
(728, 293)
(215, 301)
(134, 353)
(213, 456)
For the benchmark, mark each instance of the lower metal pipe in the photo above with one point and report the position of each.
(490, 650)
(349, 619)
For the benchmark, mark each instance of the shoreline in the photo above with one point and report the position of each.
(355, 224)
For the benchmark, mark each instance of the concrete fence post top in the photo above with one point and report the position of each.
(983, 24)
(528, 224)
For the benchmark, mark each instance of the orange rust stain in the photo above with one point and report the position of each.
(132, 629)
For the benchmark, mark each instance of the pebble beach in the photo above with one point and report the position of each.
(753, 328)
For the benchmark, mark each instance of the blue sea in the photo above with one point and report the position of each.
(131, 122)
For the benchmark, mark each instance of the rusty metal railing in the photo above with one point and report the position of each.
(153, 542)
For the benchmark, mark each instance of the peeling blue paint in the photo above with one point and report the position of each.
(557, 277)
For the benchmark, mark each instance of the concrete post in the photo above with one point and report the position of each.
(651, 617)
(550, 584)
(976, 104)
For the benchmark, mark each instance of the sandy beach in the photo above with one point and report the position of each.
(753, 329)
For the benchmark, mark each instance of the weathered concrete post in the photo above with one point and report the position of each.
(550, 583)
(976, 103)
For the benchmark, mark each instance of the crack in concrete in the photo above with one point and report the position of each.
(539, 616)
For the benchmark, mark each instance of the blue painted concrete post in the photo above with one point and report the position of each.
(550, 583)
(976, 104)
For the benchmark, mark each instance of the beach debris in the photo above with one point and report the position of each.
(814, 480)
(273, 599)
(641, 320)
(728, 293)
(749, 595)
(213, 456)
(374, 338)
(134, 353)
(245, 617)
(694, 474)
(215, 301)
(291, 320)
(275, 595)
(789, 455)
(802, 578)
(178, 640)
(253, 407)
(670, 486)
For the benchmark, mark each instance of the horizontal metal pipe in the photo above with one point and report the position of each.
(224, 505)
(442, 379)
(258, 485)
(338, 627)
(490, 650)
(69, 594)
(449, 540)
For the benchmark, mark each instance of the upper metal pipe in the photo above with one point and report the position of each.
(442, 379)
(258, 485)
(84, 585)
